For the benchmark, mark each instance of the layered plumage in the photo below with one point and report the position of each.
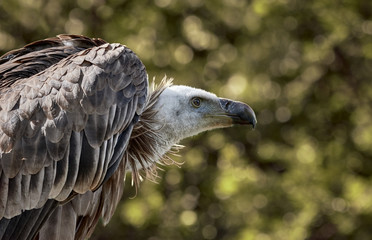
(76, 114)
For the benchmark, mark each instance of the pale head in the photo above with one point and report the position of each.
(187, 111)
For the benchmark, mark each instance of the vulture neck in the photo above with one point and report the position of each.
(148, 145)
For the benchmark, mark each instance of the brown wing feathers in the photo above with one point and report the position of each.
(39, 55)
(67, 105)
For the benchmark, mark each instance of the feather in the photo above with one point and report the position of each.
(61, 171)
(56, 151)
(50, 107)
(10, 123)
(100, 165)
(13, 205)
(25, 192)
(95, 130)
(141, 88)
(106, 102)
(58, 73)
(77, 119)
(131, 113)
(6, 143)
(31, 130)
(141, 104)
(26, 225)
(61, 100)
(121, 100)
(73, 164)
(12, 162)
(129, 91)
(62, 123)
(117, 120)
(118, 81)
(87, 106)
(41, 216)
(48, 181)
(121, 144)
(137, 77)
(7, 227)
(94, 79)
(28, 109)
(22, 224)
(30, 142)
(12, 101)
(56, 84)
(82, 203)
(70, 90)
(74, 75)
(57, 134)
(111, 117)
(45, 90)
(31, 92)
(122, 118)
(4, 184)
(96, 101)
(52, 133)
(35, 152)
(90, 56)
(112, 191)
(87, 167)
(36, 186)
(60, 225)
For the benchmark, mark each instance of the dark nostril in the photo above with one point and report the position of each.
(227, 104)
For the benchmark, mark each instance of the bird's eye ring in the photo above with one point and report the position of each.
(196, 102)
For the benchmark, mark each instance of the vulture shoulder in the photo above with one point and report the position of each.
(67, 109)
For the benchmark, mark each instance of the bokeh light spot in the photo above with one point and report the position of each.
(163, 3)
(236, 85)
(173, 176)
(209, 232)
(339, 204)
(283, 114)
(188, 218)
(183, 54)
(306, 153)
(134, 212)
(260, 201)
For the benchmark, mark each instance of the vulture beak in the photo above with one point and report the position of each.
(239, 112)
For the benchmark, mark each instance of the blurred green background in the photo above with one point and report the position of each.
(304, 66)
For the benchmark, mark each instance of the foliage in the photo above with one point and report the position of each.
(304, 66)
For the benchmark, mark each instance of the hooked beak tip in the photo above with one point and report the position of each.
(239, 112)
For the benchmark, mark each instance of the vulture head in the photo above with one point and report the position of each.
(187, 111)
(176, 112)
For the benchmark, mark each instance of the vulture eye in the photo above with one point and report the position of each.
(196, 102)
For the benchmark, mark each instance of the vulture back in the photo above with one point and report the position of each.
(68, 106)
